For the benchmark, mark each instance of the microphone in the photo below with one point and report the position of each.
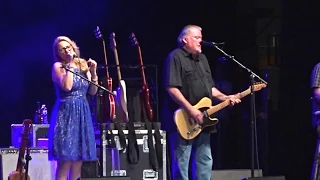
(206, 43)
(73, 55)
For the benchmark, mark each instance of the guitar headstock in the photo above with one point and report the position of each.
(133, 39)
(258, 86)
(27, 123)
(113, 43)
(98, 33)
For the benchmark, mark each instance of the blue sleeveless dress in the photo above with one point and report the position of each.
(71, 134)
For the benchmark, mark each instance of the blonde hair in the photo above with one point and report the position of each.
(185, 31)
(80, 63)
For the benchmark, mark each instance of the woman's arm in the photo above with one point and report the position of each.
(92, 75)
(62, 77)
(94, 78)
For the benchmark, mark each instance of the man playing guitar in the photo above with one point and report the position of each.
(187, 80)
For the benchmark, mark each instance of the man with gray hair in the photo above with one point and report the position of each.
(187, 80)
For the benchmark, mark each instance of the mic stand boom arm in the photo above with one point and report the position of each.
(241, 65)
(101, 87)
(253, 111)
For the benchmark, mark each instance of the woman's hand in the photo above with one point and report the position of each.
(92, 64)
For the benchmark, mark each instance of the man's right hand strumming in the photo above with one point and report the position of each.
(197, 115)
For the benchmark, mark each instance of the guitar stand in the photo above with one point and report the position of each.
(27, 159)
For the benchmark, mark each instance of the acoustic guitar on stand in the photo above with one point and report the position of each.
(189, 128)
(111, 103)
(121, 91)
(19, 173)
(145, 92)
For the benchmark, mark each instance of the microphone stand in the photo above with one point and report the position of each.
(253, 108)
(101, 87)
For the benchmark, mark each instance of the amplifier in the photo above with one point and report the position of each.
(38, 131)
(40, 167)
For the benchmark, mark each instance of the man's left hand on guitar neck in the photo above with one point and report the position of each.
(221, 96)
(233, 98)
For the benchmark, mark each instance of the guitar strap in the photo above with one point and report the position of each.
(157, 137)
(122, 137)
(152, 153)
(133, 149)
(133, 155)
(111, 137)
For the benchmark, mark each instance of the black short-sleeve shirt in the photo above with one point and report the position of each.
(191, 76)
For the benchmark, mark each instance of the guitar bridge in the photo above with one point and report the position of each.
(194, 129)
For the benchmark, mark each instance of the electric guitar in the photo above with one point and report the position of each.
(19, 173)
(111, 104)
(189, 128)
(145, 89)
(121, 90)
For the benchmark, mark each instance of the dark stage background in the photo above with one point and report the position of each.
(286, 138)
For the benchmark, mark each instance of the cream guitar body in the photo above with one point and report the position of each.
(187, 127)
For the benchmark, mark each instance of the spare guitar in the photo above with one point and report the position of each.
(155, 148)
(19, 173)
(111, 103)
(121, 97)
(145, 92)
(188, 127)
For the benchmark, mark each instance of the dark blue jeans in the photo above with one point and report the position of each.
(181, 149)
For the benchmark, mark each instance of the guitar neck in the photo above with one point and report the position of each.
(227, 102)
(117, 64)
(105, 58)
(141, 66)
(22, 149)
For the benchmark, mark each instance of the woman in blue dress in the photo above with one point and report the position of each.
(71, 137)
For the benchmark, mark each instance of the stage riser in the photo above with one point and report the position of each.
(267, 178)
(234, 174)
